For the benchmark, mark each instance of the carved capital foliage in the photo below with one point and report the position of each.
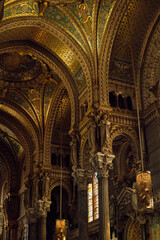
(74, 149)
(102, 163)
(82, 177)
(32, 215)
(43, 206)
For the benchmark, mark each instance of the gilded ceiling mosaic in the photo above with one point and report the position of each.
(75, 17)
(34, 100)
(20, 69)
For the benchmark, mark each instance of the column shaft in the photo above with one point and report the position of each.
(42, 228)
(32, 235)
(82, 215)
(104, 220)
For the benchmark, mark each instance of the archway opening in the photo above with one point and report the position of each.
(55, 211)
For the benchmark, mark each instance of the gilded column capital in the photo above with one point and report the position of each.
(43, 206)
(102, 163)
(32, 215)
(82, 177)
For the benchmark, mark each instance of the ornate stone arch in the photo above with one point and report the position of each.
(5, 191)
(129, 133)
(121, 160)
(83, 155)
(55, 65)
(62, 35)
(106, 48)
(50, 120)
(9, 168)
(151, 58)
(9, 120)
(65, 186)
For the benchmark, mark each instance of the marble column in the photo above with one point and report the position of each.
(101, 164)
(32, 223)
(81, 177)
(43, 208)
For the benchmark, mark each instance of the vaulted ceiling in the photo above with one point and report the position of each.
(50, 51)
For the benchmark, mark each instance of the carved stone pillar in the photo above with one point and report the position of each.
(81, 177)
(101, 164)
(32, 223)
(43, 208)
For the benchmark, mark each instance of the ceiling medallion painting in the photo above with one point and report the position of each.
(21, 70)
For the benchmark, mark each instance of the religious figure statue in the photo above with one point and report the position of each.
(73, 145)
(93, 137)
(105, 132)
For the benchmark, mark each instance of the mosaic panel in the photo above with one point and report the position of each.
(59, 17)
(134, 24)
(24, 8)
(19, 99)
(84, 12)
(105, 9)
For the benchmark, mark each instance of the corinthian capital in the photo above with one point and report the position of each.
(82, 177)
(102, 163)
(43, 206)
